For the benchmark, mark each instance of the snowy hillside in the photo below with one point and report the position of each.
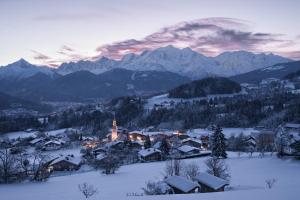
(97, 67)
(248, 181)
(242, 61)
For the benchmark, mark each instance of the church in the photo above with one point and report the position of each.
(117, 133)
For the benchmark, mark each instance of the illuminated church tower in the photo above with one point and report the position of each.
(114, 130)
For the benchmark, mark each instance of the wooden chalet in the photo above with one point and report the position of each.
(150, 154)
(210, 183)
(181, 185)
(65, 163)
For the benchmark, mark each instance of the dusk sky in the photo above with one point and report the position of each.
(53, 31)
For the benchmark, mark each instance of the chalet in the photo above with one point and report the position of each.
(137, 136)
(188, 150)
(65, 163)
(192, 142)
(154, 135)
(53, 145)
(265, 137)
(89, 142)
(181, 185)
(117, 144)
(210, 183)
(87, 138)
(150, 154)
(292, 126)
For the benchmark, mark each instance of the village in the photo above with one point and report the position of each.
(41, 155)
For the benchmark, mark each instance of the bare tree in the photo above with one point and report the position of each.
(265, 142)
(7, 165)
(39, 167)
(87, 190)
(156, 188)
(110, 165)
(174, 167)
(270, 182)
(191, 170)
(218, 168)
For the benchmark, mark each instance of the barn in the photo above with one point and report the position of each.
(210, 183)
(181, 185)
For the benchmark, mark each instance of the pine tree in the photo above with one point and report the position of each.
(147, 143)
(218, 144)
(165, 146)
(282, 141)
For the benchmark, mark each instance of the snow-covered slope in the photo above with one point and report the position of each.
(182, 61)
(242, 61)
(22, 69)
(247, 182)
(102, 65)
(275, 71)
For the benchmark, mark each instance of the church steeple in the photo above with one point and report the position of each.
(114, 130)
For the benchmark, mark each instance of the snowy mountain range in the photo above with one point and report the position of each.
(185, 62)
(181, 61)
(23, 69)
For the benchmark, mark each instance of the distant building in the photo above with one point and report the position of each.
(65, 163)
(114, 131)
(188, 150)
(150, 154)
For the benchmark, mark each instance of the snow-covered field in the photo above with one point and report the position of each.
(248, 182)
(227, 132)
(160, 99)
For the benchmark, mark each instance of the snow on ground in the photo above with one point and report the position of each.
(24, 134)
(248, 182)
(227, 132)
(56, 132)
(65, 152)
(18, 134)
(160, 99)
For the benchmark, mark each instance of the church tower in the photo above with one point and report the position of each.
(114, 130)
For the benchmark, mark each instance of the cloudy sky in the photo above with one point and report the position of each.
(54, 31)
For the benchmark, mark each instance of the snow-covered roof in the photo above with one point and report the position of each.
(153, 133)
(157, 145)
(36, 140)
(58, 142)
(181, 183)
(211, 181)
(187, 148)
(112, 143)
(86, 138)
(147, 152)
(100, 156)
(292, 125)
(73, 160)
(192, 139)
(198, 132)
